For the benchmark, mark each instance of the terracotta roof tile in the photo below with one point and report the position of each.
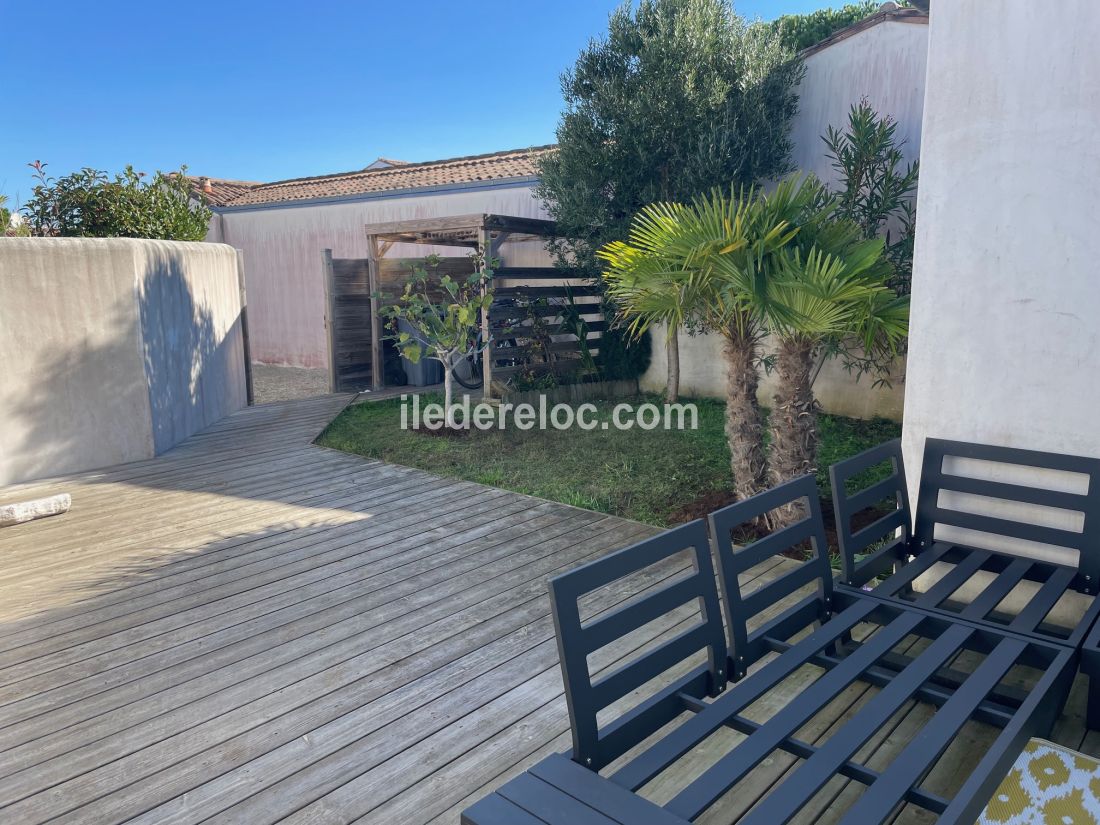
(518, 163)
(220, 190)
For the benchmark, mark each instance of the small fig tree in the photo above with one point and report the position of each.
(447, 329)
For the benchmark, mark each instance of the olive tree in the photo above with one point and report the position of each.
(678, 97)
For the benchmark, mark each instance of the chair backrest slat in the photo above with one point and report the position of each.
(577, 640)
(986, 515)
(734, 560)
(854, 543)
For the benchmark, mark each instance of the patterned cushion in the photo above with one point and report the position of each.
(1048, 785)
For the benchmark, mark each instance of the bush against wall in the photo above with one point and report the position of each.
(11, 226)
(89, 203)
(800, 31)
(876, 187)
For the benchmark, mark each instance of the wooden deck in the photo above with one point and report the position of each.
(255, 629)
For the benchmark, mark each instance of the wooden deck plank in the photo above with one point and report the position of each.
(101, 500)
(228, 550)
(251, 628)
(102, 504)
(118, 685)
(198, 623)
(296, 494)
(364, 697)
(274, 549)
(176, 598)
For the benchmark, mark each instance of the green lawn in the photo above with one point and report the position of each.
(661, 477)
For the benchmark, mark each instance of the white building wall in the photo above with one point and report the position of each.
(282, 257)
(1005, 345)
(885, 63)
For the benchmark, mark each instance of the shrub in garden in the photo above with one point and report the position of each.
(876, 188)
(90, 204)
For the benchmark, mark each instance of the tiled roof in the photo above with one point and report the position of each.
(382, 163)
(517, 163)
(219, 191)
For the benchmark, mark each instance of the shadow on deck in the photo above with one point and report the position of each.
(251, 628)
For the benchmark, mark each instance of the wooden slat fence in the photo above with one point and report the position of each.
(538, 317)
(349, 318)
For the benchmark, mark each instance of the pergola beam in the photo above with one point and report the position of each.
(460, 230)
(483, 232)
(376, 369)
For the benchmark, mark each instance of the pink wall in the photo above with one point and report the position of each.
(282, 254)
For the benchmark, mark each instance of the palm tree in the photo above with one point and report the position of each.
(708, 265)
(747, 263)
(832, 288)
(646, 281)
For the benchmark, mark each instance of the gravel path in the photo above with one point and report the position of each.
(271, 383)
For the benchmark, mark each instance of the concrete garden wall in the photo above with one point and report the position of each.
(1005, 345)
(703, 374)
(113, 350)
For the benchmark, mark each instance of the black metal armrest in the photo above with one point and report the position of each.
(877, 548)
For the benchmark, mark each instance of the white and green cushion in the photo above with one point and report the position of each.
(1048, 785)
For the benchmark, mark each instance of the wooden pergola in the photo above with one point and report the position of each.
(481, 232)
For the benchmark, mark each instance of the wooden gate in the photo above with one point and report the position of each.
(355, 332)
(348, 315)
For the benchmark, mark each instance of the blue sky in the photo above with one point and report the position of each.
(270, 90)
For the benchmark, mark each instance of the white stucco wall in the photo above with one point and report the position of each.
(112, 350)
(282, 252)
(188, 297)
(886, 64)
(1005, 345)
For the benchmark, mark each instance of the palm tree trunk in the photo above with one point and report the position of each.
(793, 418)
(744, 429)
(672, 351)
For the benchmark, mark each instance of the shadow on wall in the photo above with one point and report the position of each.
(185, 366)
(81, 405)
(104, 380)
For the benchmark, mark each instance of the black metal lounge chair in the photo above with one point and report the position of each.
(918, 547)
(1090, 666)
(900, 559)
(849, 635)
